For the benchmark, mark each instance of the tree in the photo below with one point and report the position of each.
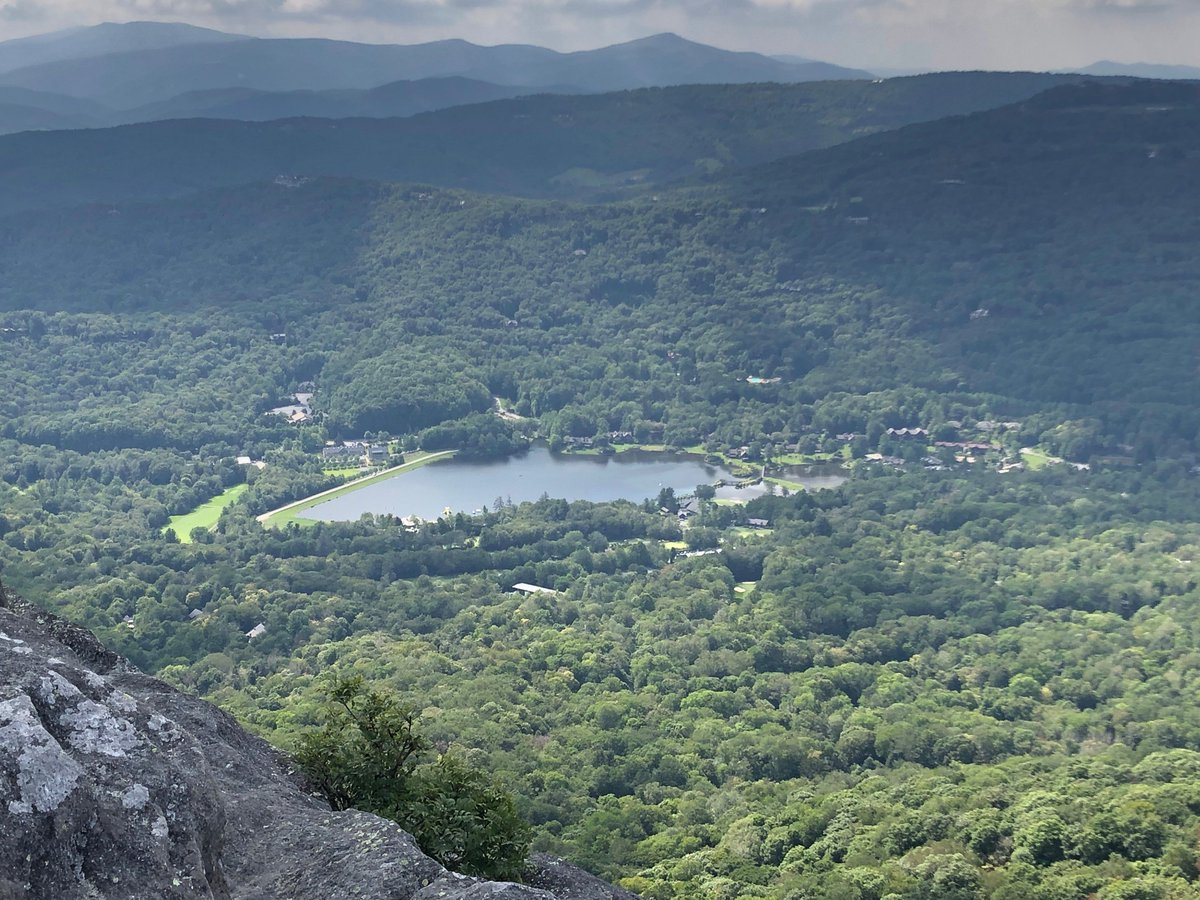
(367, 754)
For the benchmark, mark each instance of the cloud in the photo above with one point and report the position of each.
(22, 11)
(365, 12)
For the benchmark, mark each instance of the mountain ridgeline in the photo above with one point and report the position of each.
(147, 71)
(103, 40)
(569, 147)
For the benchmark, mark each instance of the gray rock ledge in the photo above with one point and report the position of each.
(116, 786)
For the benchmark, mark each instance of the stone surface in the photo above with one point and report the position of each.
(115, 785)
(567, 882)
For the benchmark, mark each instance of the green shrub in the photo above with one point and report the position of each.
(367, 754)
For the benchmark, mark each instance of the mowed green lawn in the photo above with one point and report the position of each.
(205, 515)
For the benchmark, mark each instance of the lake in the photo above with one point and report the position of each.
(811, 477)
(467, 485)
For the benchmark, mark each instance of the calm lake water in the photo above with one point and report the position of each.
(466, 486)
(812, 478)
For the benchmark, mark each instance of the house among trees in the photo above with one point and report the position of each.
(522, 587)
(297, 413)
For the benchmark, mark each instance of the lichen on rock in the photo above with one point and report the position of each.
(35, 769)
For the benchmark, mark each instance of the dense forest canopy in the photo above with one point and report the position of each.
(943, 679)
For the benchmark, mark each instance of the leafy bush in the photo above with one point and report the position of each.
(367, 754)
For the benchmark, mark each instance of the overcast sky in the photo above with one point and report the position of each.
(994, 34)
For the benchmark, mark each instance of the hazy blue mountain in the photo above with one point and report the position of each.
(400, 98)
(667, 59)
(132, 79)
(877, 71)
(101, 40)
(25, 110)
(56, 103)
(15, 117)
(1142, 70)
(579, 147)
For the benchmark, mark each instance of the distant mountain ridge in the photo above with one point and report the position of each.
(581, 147)
(1142, 70)
(22, 109)
(100, 40)
(397, 99)
(132, 78)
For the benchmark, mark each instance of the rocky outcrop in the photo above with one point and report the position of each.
(115, 785)
(568, 882)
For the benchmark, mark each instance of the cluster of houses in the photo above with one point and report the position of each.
(689, 508)
(350, 453)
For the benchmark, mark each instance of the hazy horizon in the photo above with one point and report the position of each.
(870, 34)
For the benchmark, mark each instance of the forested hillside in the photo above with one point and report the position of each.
(958, 260)
(545, 146)
(965, 673)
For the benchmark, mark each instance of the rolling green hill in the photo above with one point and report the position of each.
(552, 146)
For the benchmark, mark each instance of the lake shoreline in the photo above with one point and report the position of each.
(631, 473)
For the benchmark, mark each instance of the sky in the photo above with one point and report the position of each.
(896, 34)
